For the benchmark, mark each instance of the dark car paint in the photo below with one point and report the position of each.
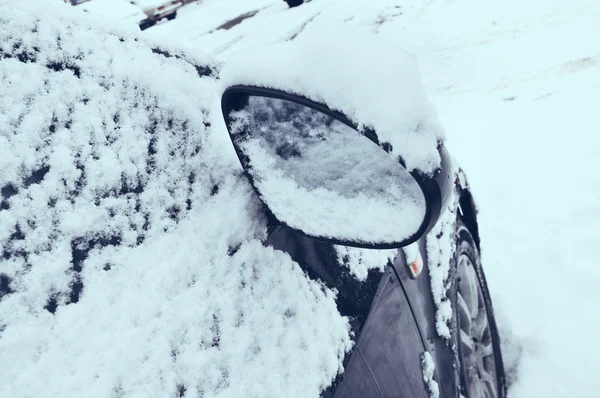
(399, 326)
(420, 297)
(386, 361)
(419, 316)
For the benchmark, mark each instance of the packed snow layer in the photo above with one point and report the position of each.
(131, 258)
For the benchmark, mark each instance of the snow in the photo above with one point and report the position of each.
(132, 262)
(413, 258)
(360, 261)
(115, 9)
(428, 368)
(515, 85)
(208, 26)
(145, 4)
(312, 171)
(439, 256)
(322, 64)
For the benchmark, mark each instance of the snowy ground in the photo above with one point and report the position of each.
(516, 85)
(517, 88)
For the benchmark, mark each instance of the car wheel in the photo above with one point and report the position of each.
(294, 3)
(478, 341)
(146, 24)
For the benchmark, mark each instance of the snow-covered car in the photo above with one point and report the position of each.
(294, 3)
(331, 251)
(158, 10)
(120, 10)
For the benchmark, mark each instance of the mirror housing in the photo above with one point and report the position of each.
(436, 187)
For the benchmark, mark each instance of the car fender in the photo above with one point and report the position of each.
(386, 361)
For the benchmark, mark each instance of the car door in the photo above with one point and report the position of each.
(386, 361)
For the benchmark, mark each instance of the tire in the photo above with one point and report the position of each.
(479, 353)
(294, 3)
(145, 24)
(172, 16)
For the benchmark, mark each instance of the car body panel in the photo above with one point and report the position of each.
(419, 296)
(386, 361)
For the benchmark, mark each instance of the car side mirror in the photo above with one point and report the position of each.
(318, 174)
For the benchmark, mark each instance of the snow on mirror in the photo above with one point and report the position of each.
(324, 178)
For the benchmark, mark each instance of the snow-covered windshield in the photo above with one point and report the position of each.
(323, 177)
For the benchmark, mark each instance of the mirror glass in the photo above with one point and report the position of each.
(318, 175)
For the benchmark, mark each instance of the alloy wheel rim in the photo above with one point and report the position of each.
(475, 339)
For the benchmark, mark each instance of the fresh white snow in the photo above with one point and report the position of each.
(119, 195)
(313, 170)
(439, 255)
(370, 80)
(428, 368)
(121, 10)
(516, 88)
(360, 261)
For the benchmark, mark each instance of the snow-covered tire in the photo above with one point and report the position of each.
(481, 328)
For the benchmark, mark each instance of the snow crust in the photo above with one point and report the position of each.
(370, 80)
(314, 171)
(131, 260)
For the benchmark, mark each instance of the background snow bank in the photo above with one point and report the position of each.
(130, 262)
